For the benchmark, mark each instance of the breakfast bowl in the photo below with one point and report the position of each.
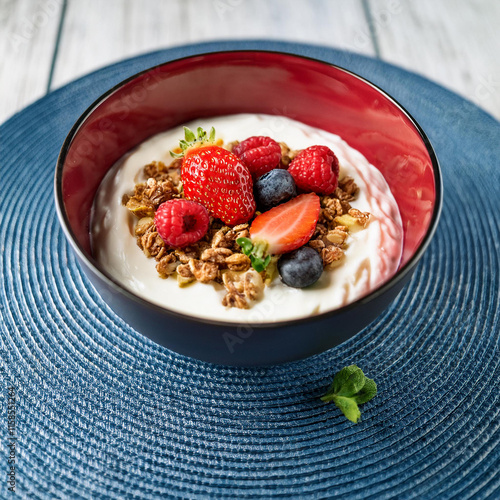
(223, 84)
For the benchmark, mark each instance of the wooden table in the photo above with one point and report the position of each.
(47, 43)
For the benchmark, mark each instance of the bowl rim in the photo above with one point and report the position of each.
(116, 286)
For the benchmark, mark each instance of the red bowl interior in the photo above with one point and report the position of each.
(310, 91)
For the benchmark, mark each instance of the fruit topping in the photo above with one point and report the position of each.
(273, 188)
(181, 222)
(281, 229)
(216, 178)
(260, 154)
(315, 169)
(354, 220)
(300, 268)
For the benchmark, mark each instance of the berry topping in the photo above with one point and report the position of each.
(300, 268)
(181, 222)
(260, 154)
(315, 169)
(273, 188)
(217, 179)
(287, 226)
(281, 229)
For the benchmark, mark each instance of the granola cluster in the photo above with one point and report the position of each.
(217, 258)
(336, 220)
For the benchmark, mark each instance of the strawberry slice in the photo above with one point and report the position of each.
(282, 229)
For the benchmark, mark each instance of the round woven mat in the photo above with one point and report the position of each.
(104, 412)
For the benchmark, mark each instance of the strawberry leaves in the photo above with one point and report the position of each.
(201, 138)
(350, 388)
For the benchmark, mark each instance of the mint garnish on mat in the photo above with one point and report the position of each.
(349, 389)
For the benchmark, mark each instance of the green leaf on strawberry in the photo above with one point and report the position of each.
(192, 140)
(189, 135)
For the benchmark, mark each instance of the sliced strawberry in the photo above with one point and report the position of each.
(287, 226)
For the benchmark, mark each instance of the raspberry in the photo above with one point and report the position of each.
(315, 169)
(259, 154)
(181, 222)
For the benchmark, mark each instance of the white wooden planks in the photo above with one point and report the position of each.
(456, 44)
(28, 31)
(98, 33)
(453, 43)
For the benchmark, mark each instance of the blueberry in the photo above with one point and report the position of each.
(300, 268)
(273, 188)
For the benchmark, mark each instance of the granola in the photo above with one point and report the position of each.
(217, 258)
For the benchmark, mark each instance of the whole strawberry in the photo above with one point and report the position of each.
(216, 178)
(260, 154)
(315, 169)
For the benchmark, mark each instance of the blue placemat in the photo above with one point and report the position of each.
(103, 412)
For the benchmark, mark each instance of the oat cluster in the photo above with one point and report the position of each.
(217, 258)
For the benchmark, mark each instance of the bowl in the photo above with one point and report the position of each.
(222, 83)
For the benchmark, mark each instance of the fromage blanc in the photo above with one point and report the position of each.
(372, 255)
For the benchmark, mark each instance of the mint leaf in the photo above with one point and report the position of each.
(255, 252)
(328, 397)
(348, 407)
(245, 244)
(348, 381)
(349, 388)
(258, 263)
(368, 392)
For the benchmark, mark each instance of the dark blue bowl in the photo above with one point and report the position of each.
(319, 94)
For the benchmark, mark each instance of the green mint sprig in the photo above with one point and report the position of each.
(349, 389)
(190, 139)
(256, 253)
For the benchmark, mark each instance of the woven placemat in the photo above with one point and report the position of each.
(103, 412)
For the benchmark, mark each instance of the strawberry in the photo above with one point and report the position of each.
(216, 178)
(181, 222)
(315, 169)
(260, 154)
(281, 229)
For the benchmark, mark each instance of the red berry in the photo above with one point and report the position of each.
(287, 226)
(315, 169)
(218, 179)
(181, 222)
(260, 154)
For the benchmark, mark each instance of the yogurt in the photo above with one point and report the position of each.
(371, 257)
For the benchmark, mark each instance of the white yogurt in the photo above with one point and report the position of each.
(372, 255)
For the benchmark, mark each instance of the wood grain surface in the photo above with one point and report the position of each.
(47, 43)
